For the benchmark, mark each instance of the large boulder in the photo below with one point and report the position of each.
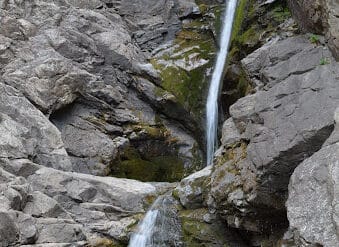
(193, 190)
(312, 205)
(27, 133)
(51, 206)
(272, 131)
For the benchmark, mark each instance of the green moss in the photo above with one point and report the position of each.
(249, 37)
(253, 23)
(203, 8)
(192, 43)
(198, 233)
(154, 132)
(239, 18)
(314, 39)
(175, 194)
(158, 169)
(234, 153)
(324, 61)
(218, 22)
(281, 13)
(197, 162)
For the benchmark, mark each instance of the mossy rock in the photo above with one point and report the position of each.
(254, 23)
(193, 46)
(198, 233)
(157, 169)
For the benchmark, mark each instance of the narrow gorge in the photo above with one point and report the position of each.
(169, 123)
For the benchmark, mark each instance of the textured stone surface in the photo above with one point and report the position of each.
(312, 205)
(319, 16)
(192, 190)
(82, 63)
(52, 206)
(313, 198)
(78, 97)
(279, 126)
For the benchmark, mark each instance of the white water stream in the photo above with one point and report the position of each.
(143, 237)
(212, 100)
(160, 227)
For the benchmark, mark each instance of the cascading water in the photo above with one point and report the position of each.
(160, 227)
(212, 100)
(143, 237)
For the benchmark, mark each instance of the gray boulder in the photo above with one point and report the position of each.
(193, 190)
(9, 233)
(56, 207)
(26, 132)
(279, 126)
(312, 205)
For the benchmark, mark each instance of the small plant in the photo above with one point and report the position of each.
(324, 61)
(314, 39)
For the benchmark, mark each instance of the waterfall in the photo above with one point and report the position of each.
(212, 100)
(160, 226)
(143, 237)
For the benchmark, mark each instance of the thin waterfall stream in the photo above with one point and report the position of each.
(152, 230)
(213, 93)
(145, 231)
(160, 226)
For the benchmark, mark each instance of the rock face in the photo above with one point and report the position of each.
(95, 89)
(312, 205)
(273, 130)
(42, 205)
(80, 99)
(86, 66)
(319, 17)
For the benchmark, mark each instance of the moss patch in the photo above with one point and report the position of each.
(185, 69)
(197, 232)
(157, 169)
(254, 23)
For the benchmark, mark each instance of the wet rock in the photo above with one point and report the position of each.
(193, 189)
(198, 232)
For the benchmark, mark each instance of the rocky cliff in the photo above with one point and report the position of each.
(97, 93)
(80, 99)
(275, 174)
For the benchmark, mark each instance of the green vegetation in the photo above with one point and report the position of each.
(324, 61)
(154, 168)
(253, 23)
(197, 232)
(280, 13)
(184, 68)
(314, 39)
